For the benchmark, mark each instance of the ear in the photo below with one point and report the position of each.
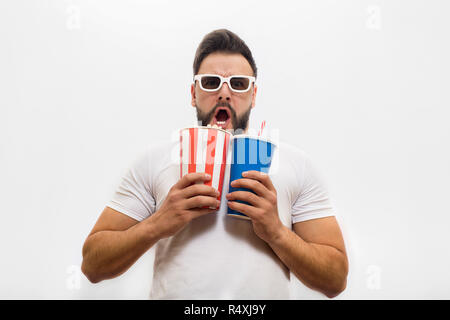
(255, 89)
(193, 98)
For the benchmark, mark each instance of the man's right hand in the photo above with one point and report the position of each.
(188, 199)
(117, 240)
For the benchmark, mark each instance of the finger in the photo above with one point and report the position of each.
(251, 184)
(261, 177)
(201, 212)
(199, 189)
(201, 201)
(192, 178)
(246, 196)
(250, 211)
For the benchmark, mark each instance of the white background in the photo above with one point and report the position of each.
(361, 86)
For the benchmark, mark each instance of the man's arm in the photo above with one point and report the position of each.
(314, 251)
(114, 245)
(117, 241)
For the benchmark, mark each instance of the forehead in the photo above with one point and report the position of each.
(225, 64)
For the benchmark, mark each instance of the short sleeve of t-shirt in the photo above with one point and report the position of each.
(313, 199)
(133, 196)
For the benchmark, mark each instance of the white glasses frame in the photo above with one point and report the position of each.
(222, 80)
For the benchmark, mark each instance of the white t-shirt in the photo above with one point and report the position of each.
(218, 256)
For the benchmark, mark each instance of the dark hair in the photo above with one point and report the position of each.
(222, 40)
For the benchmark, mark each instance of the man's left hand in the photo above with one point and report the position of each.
(262, 208)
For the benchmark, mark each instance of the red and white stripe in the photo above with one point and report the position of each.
(204, 150)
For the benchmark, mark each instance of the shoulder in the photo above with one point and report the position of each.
(161, 152)
(288, 166)
(293, 161)
(291, 149)
(154, 155)
(157, 150)
(292, 155)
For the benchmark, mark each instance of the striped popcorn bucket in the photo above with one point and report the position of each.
(204, 149)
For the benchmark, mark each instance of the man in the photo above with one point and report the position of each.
(203, 253)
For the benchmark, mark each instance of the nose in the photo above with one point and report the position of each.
(224, 93)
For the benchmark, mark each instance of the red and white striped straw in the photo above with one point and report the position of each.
(263, 125)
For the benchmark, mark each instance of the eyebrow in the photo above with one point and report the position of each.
(221, 74)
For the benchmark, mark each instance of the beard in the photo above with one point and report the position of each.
(240, 124)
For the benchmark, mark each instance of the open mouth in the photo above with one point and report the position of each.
(222, 117)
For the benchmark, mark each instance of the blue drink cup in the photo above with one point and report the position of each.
(248, 153)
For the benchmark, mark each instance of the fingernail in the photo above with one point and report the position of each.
(207, 176)
(244, 174)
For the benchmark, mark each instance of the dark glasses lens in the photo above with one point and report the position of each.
(238, 83)
(210, 82)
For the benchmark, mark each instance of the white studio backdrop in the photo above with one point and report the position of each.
(361, 86)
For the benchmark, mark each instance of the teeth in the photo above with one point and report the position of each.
(221, 122)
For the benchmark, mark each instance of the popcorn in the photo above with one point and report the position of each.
(214, 126)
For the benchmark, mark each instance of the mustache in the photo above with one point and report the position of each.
(222, 104)
(238, 122)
